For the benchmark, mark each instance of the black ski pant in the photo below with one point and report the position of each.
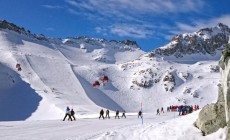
(68, 116)
(73, 117)
(117, 116)
(101, 116)
(107, 115)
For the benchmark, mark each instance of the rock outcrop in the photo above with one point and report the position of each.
(215, 116)
(206, 41)
(169, 81)
(10, 26)
(144, 78)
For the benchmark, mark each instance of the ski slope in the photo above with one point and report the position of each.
(56, 74)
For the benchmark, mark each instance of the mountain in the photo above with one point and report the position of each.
(60, 72)
(204, 44)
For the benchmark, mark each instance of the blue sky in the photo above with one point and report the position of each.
(152, 23)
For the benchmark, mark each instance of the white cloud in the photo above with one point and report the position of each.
(136, 31)
(50, 29)
(101, 30)
(130, 17)
(144, 6)
(196, 25)
(127, 30)
(135, 8)
(53, 6)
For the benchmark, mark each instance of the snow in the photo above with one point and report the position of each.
(166, 126)
(60, 73)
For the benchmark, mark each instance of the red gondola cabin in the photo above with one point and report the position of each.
(96, 84)
(18, 66)
(104, 79)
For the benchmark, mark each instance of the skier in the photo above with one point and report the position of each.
(107, 114)
(140, 114)
(162, 109)
(117, 114)
(72, 114)
(67, 114)
(195, 107)
(123, 115)
(158, 112)
(101, 114)
(168, 109)
(180, 110)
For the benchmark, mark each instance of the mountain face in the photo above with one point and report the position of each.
(80, 41)
(61, 72)
(206, 41)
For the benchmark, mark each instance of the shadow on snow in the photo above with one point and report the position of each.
(17, 100)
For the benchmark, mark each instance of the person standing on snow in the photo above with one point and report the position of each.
(168, 109)
(117, 114)
(107, 114)
(139, 114)
(67, 114)
(72, 114)
(101, 114)
(162, 109)
(123, 115)
(158, 112)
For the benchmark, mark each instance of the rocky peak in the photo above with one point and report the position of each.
(125, 44)
(223, 27)
(129, 42)
(10, 26)
(204, 41)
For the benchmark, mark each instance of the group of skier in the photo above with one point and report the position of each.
(158, 111)
(107, 114)
(70, 114)
(181, 109)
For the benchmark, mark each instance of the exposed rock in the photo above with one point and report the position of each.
(184, 75)
(187, 90)
(215, 116)
(129, 65)
(224, 57)
(205, 41)
(214, 68)
(145, 78)
(129, 42)
(211, 118)
(195, 94)
(10, 26)
(169, 81)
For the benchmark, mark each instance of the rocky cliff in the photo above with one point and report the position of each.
(215, 116)
(206, 41)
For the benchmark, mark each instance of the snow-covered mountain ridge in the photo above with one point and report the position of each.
(60, 72)
(206, 42)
